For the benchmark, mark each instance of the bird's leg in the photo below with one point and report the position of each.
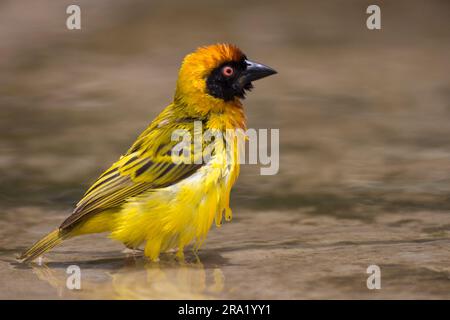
(228, 212)
(197, 258)
(180, 253)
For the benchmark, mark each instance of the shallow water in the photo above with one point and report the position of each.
(364, 147)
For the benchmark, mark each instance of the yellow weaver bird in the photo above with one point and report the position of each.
(145, 197)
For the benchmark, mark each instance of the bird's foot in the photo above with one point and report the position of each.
(132, 251)
(180, 254)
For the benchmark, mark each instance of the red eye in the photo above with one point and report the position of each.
(227, 71)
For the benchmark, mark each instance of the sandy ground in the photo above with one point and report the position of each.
(364, 146)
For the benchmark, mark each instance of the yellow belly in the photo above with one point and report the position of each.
(175, 216)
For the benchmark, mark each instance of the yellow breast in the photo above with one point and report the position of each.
(177, 215)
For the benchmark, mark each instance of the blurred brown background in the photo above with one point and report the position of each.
(364, 138)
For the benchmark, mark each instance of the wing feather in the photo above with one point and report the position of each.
(147, 165)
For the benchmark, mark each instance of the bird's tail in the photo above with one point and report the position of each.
(47, 243)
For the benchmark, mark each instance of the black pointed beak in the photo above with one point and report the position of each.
(255, 71)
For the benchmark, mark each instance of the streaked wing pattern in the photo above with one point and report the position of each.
(144, 167)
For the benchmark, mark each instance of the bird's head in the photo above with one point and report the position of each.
(216, 76)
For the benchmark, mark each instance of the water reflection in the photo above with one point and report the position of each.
(138, 278)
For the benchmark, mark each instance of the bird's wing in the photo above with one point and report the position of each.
(147, 165)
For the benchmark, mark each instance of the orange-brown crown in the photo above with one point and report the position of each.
(191, 84)
(205, 59)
